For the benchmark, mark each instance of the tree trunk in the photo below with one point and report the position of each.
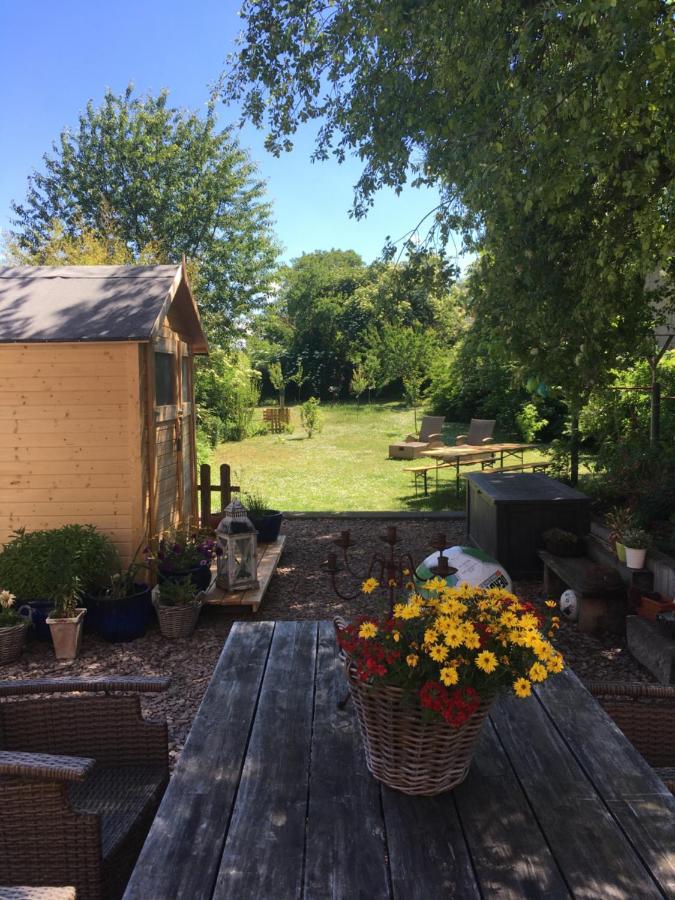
(574, 443)
(282, 396)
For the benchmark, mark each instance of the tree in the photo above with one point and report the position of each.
(151, 175)
(278, 381)
(359, 383)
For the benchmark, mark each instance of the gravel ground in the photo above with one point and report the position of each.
(299, 590)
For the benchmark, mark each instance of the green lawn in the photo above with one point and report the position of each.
(342, 468)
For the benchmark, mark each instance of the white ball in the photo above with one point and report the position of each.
(569, 605)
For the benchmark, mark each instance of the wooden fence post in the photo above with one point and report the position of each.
(225, 486)
(205, 493)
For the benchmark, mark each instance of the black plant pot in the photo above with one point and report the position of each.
(268, 526)
(125, 619)
(200, 576)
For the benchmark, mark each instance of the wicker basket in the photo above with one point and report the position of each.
(177, 621)
(405, 752)
(11, 642)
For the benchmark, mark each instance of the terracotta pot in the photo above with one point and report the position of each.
(67, 635)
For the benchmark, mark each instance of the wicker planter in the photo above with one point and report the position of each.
(67, 635)
(177, 621)
(12, 639)
(405, 752)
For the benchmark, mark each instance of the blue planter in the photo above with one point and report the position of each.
(200, 576)
(268, 526)
(119, 621)
(40, 610)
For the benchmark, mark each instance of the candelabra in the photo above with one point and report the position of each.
(393, 569)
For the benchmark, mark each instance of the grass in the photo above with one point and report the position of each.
(343, 468)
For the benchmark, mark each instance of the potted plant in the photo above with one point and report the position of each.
(423, 678)
(618, 519)
(636, 541)
(66, 619)
(124, 608)
(183, 552)
(178, 605)
(562, 543)
(13, 627)
(267, 522)
(32, 563)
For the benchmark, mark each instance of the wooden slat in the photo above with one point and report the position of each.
(594, 856)
(115, 468)
(27, 384)
(61, 494)
(92, 412)
(181, 854)
(62, 439)
(618, 772)
(509, 853)
(265, 844)
(99, 452)
(63, 368)
(268, 558)
(104, 425)
(73, 396)
(65, 480)
(86, 508)
(428, 855)
(346, 849)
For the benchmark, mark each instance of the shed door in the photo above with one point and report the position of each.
(174, 484)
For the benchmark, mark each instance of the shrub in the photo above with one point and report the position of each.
(227, 390)
(310, 416)
(37, 564)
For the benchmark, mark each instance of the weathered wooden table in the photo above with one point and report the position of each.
(271, 797)
(464, 454)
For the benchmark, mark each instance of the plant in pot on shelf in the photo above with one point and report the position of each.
(32, 563)
(66, 619)
(562, 543)
(178, 604)
(618, 520)
(14, 624)
(183, 553)
(637, 543)
(266, 521)
(124, 608)
(424, 678)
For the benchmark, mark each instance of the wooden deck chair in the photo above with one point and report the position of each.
(480, 432)
(431, 435)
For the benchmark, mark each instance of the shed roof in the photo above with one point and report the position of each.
(94, 303)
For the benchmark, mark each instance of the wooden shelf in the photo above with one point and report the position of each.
(268, 558)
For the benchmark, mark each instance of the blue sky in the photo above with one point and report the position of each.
(58, 55)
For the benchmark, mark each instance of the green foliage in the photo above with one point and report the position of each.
(47, 564)
(155, 176)
(636, 539)
(226, 392)
(256, 503)
(359, 382)
(310, 416)
(530, 422)
(179, 592)
(277, 380)
(642, 479)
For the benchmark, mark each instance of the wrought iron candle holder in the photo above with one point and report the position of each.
(393, 569)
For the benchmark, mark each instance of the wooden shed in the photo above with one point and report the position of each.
(97, 414)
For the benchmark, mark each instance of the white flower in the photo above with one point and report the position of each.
(6, 599)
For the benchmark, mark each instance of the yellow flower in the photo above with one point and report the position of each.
(454, 636)
(438, 653)
(449, 676)
(435, 584)
(471, 640)
(538, 672)
(551, 604)
(369, 585)
(555, 663)
(529, 620)
(412, 659)
(522, 687)
(487, 661)
(367, 630)
(508, 618)
(408, 610)
(397, 636)
(430, 636)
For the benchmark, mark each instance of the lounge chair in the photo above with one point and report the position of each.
(480, 432)
(431, 435)
(80, 781)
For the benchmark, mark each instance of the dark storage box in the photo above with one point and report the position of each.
(507, 513)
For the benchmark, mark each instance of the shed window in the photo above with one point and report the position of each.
(185, 379)
(164, 382)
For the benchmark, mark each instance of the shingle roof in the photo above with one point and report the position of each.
(82, 303)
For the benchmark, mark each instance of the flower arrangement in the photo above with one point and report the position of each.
(181, 550)
(8, 615)
(451, 648)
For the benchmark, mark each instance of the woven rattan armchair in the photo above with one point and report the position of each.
(81, 778)
(646, 715)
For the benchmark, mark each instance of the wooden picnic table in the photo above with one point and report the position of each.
(463, 454)
(271, 797)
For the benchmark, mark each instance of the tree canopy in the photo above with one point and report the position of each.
(147, 175)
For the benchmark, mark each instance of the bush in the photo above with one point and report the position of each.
(310, 416)
(642, 479)
(35, 564)
(227, 390)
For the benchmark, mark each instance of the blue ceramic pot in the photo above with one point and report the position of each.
(40, 609)
(268, 526)
(126, 619)
(200, 576)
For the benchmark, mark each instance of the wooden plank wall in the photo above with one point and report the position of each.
(65, 438)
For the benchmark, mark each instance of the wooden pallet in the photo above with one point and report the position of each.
(268, 557)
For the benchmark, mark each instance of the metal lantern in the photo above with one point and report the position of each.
(238, 541)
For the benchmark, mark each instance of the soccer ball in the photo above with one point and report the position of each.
(569, 605)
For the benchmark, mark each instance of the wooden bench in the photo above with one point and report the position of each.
(268, 557)
(423, 473)
(600, 591)
(538, 465)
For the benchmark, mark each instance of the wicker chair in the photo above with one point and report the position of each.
(81, 778)
(646, 715)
